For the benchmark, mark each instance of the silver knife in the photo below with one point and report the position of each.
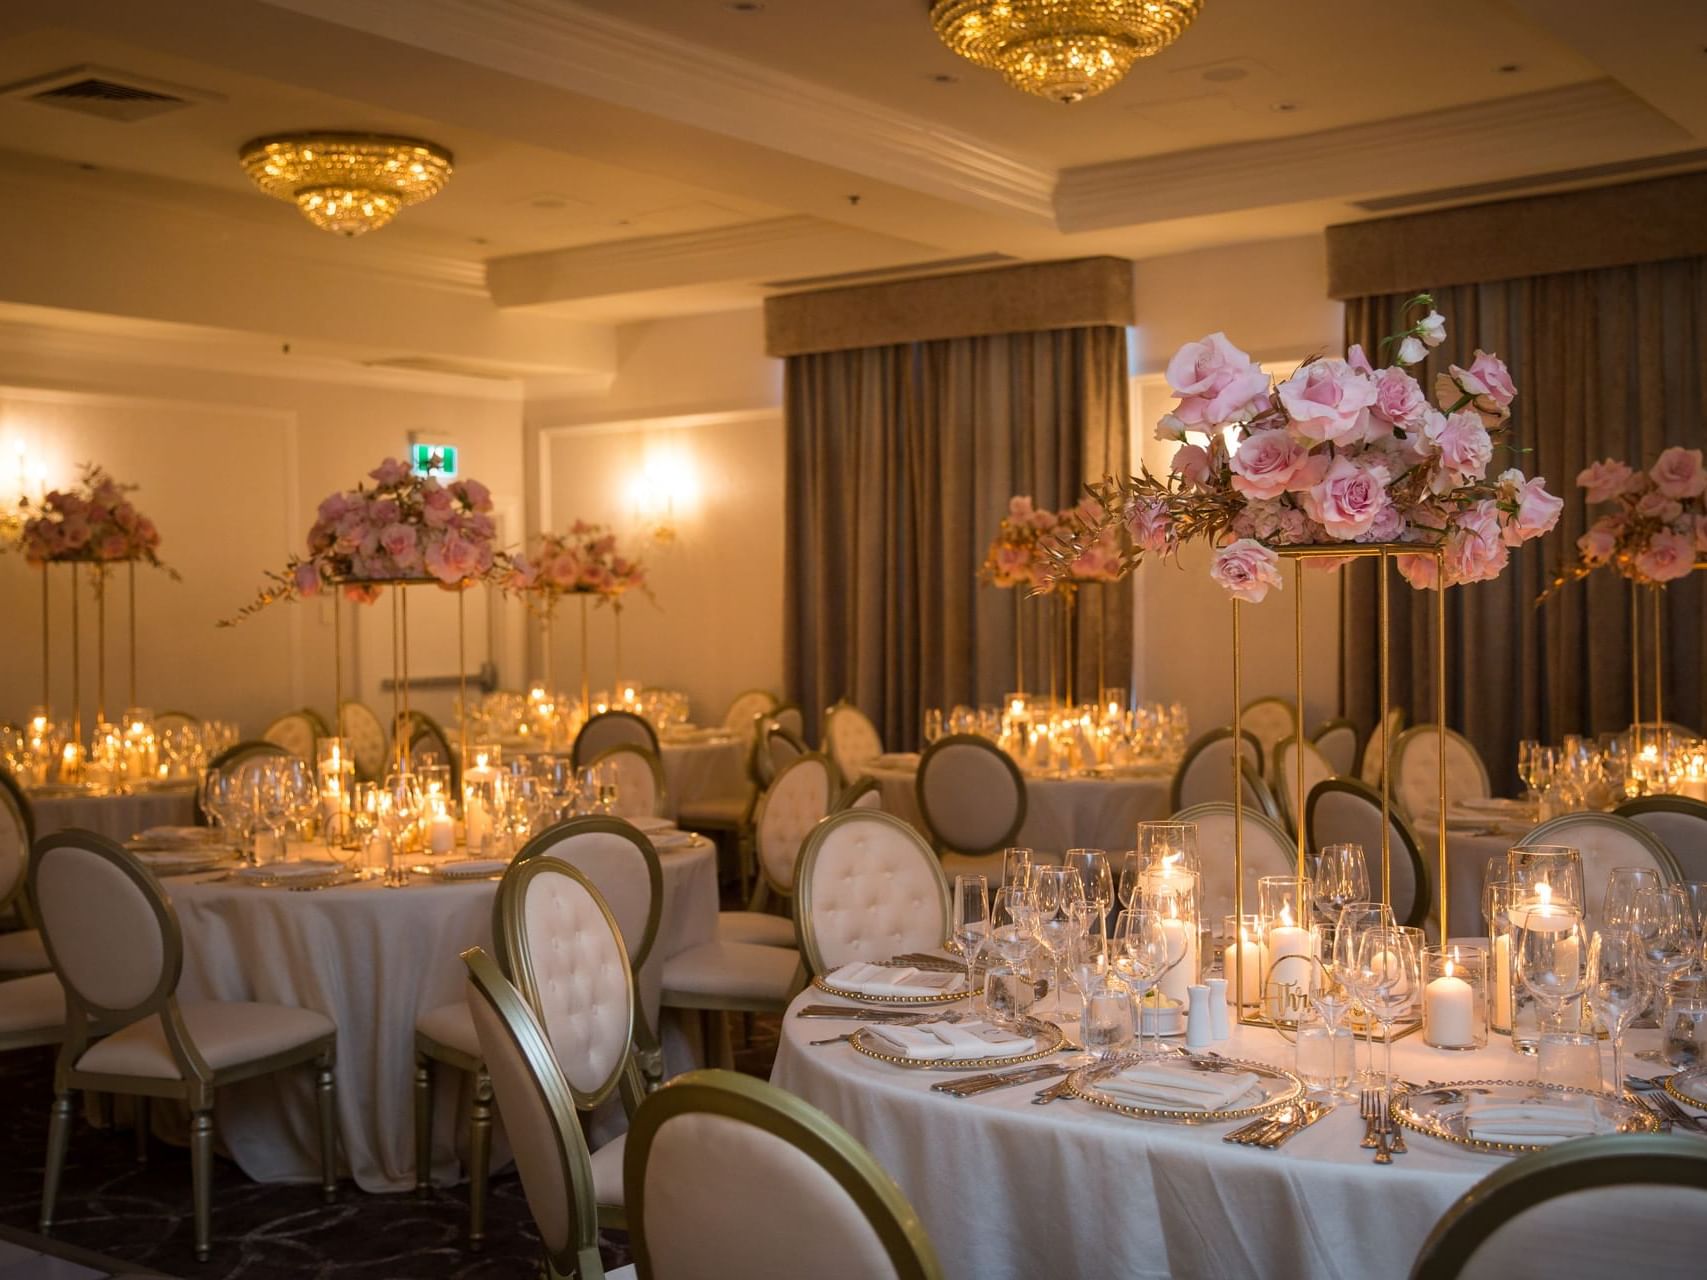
(970, 1086)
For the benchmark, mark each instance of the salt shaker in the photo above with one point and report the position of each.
(1199, 1029)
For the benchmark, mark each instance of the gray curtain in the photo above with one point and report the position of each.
(901, 461)
(1608, 362)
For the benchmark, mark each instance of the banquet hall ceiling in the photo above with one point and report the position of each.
(622, 159)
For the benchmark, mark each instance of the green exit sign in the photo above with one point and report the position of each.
(433, 460)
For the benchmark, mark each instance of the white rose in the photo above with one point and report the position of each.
(1412, 351)
(1433, 328)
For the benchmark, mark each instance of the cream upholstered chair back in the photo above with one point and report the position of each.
(17, 834)
(1283, 776)
(1373, 766)
(296, 732)
(609, 729)
(639, 780)
(1269, 851)
(1205, 772)
(617, 860)
(1347, 811)
(725, 1175)
(850, 739)
(797, 800)
(866, 793)
(1416, 764)
(538, 1110)
(782, 748)
(366, 735)
(569, 959)
(1604, 841)
(971, 794)
(867, 888)
(787, 715)
(1679, 823)
(1337, 741)
(746, 708)
(1268, 720)
(1602, 1208)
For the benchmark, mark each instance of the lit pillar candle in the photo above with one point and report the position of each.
(1254, 957)
(1449, 1011)
(1502, 981)
(1181, 935)
(1290, 952)
(441, 833)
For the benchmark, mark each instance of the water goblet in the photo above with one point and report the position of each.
(1355, 918)
(1385, 976)
(1340, 874)
(1618, 988)
(1141, 955)
(1093, 868)
(1059, 920)
(1550, 948)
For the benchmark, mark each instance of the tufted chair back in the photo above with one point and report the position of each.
(1345, 811)
(745, 709)
(567, 953)
(617, 860)
(798, 799)
(783, 749)
(867, 793)
(609, 728)
(538, 1111)
(1268, 720)
(1415, 786)
(1337, 741)
(867, 888)
(296, 732)
(17, 833)
(1269, 851)
(1374, 765)
(725, 1175)
(639, 780)
(1283, 777)
(850, 739)
(1206, 770)
(1605, 841)
(971, 793)
(1679, 823)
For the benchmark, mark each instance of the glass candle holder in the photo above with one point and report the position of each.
(1177, 906)
(1500, 956)
(1548, 872)
(1283, 906)
(1455, 996)
(335, 778)
(482, 806)
(1246, 958)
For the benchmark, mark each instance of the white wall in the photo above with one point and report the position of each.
(231, 466)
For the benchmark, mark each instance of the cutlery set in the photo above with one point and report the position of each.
(1269, 1132)
(972, 1086)
(1380, 1133)
(1652, 1094)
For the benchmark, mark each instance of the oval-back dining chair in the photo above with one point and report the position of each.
(1268, 720)
(795, 802)
(1269, 851)
(1336, 739)
(1347, 811)
(1373, 766)
(296, 732)
(639, 773)
(21, 949)
(609, 728)
(367, 738)
(851, 740)
(1604, 841)
(1680, 823)
(971, 795)
(1416, 770)
(745, 708)
(1206, 769)
(868, 887)
(1283, 780)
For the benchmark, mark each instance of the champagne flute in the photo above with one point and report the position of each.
(1618, 989)
(1386, 978)
(1016, 866)
(1340, 875)
(971, 918)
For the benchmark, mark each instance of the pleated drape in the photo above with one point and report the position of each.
(901, 461)
(1608, 363)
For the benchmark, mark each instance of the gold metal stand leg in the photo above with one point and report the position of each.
(76, 679)
(1659, 662)
(46, 651)
(1441, 860)
(100, 580)
(1384, 623)
(586, 689)
(131, 568)
(1298, 718)
(423, 1125)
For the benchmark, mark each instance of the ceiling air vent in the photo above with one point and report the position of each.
(110, 95)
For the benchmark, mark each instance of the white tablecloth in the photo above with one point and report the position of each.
(372, 959)
(116, 817)
(1061, 813)
(1008, 1189)
(695, 772)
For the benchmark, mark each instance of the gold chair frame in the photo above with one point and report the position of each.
(810, 956)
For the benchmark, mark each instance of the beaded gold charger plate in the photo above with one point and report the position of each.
(940, 997)
(1047, 1035)
(1439, 1111)
(1274, 1088)
(1689, 1087)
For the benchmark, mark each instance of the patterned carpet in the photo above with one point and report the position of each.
(142, 1215)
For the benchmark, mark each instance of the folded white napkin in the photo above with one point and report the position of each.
(887, 980)
(470, 868)
(181, 857)
(666, 841)
(176, 837)
(307, 869)
(1177, 1088)
(930, 1041)
(1530, 1121)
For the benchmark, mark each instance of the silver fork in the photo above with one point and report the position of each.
(911, 1020)
(1665, 1106)
(1369, 1109)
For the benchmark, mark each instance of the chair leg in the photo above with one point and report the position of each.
(718, 1051)
(423, 1125)
(58, 1137)
(325, 1092)
(201, 1180)
(142, 1120)
(479, 1157)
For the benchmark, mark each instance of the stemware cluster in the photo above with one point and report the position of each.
(1055, 738)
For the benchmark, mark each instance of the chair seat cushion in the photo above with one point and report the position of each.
(451, 1025)
(733, 970)
(757, 927)
(23, 952)
(31, 1004)
(607, 1170)
(714, 811)
(226, 1033)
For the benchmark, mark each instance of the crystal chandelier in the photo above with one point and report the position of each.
(1061, 49)
(346, 183)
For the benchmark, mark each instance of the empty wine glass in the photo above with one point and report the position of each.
(1695, 896)
(1385, 977)
(971, 919)
(1661, 924)
(1355, 918)
(1551, 945)
(1331, 995)
(1339, 875)
(1141, 955)
(1093, 869)
(1060, 919)
(1618, 988)
(1622, 886)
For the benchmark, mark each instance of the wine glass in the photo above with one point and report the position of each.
(1141, 955)
(971, 919)
(1016, 866)
(1340, 875)
(933, 724)
(1551, 944)
(301, 794)
(1622, 886)
(1527, 751)
(1661, 923)
(1385, 977)
(1695, 896)
(1060, 919)
(1093, 868)
(403, 792)
(270, 801)
(1331, 996)
(1618, 988)
(1355, 918)
(220, 799)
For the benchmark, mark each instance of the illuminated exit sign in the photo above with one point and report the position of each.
(433, 460)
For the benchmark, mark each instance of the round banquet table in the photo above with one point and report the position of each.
(116, 817)
(372, 959)
(1006, 1188)
(1060, 813)
(704, 769)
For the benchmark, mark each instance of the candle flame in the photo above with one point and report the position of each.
(1449, 968)
(1544, 893)
(1286, 916)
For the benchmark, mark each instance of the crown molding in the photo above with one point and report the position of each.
(560, 43)
(1576, 125)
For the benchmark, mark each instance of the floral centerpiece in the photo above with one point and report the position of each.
(1341, 451)
(91, 523)
(584, 561)
(1657, 525)
(402, 528)
(1016, 556)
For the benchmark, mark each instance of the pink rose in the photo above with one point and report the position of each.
(1013, 566)
(1656, 506)
(1100, 562)
(437, 508)
(113, 547)
(1191, 463)
(1043, 521)
(1328, 400)
(390, 473)
(564, 570)
(1666, 557)
(1388, 524)
(1422, 572)
(1475, 549)
(1150, 525)
(145, 534)
(1019, 508)
(1604, 480)
(1399, 400)
(360, 593)
(1678, 473)
(1487, 381)
(452, 558)
(476, 495)
(1597, 545)
(398, 540)
(1266, 463)
(1358, 360)
(1348, 498)
(1463, 448)
(74, 532)
(124, 516)
(1246, 570)
(1533, 512)
(306, 579)
(1215, 381)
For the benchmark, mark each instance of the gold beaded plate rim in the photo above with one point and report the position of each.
(943, 997)
(1636, 1118)
(1696, 1076)
(1037, 1029)
(1081, 1085)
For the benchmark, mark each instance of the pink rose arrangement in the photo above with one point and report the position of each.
(1657, 528)
(1015, 555)
(93, 522)
(1341, 451)
(403, 527)
(584, 561)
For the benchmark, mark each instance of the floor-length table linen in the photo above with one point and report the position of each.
(117, 817)
(373, 960)
(1008, 1189)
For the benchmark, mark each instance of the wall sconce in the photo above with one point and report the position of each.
(665, 488)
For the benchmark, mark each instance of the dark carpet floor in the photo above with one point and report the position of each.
(142, 1214)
